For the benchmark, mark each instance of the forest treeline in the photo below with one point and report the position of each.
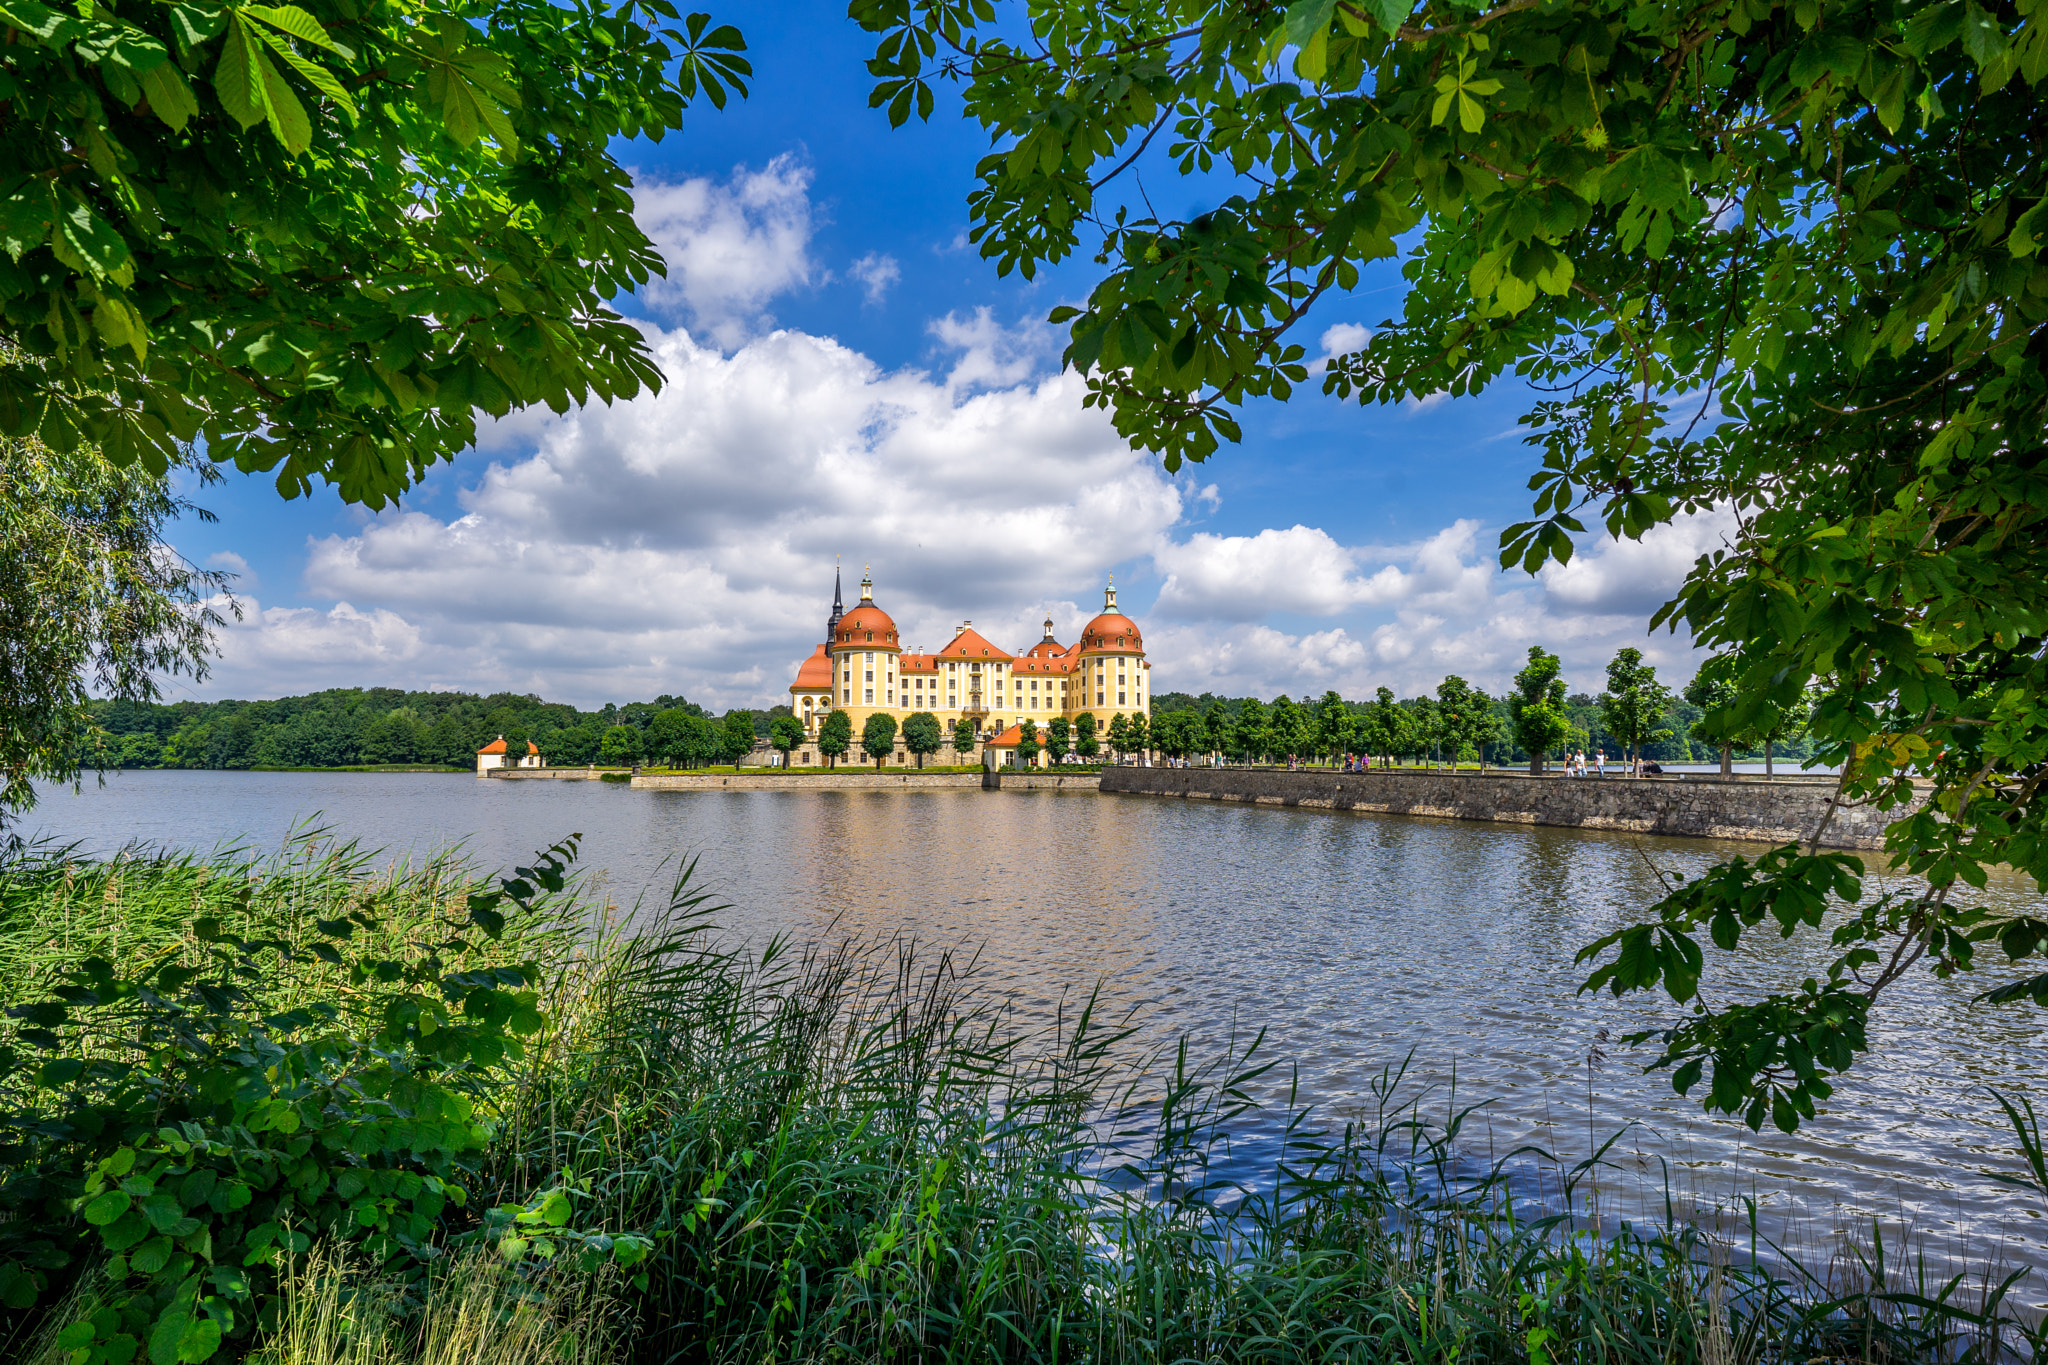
(350, 726)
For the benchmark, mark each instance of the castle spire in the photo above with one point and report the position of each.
(1109, 596)
(867, 584)
(838, 610)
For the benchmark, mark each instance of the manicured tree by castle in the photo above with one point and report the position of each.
(1332, 728)
(1483, 724)
(1176, 733)
(619, 747)
(1538, 709)
(922, 734)
(1248, 734)
(1138, 734)
(963, 738)
(1453, 701)
(1086, 745)
(1368, 733)
(1059, 738)
(1119, 735)
(1423, 734)
(703, 742)
(1216, 728)
(835, 737)
(682, 739)
(1027, 742)
(1287, 729)
(878, 737)
(1390, 723)
(736, 736)
(1465, 719)
(785, 733)
(1634, 702)
(663, 739)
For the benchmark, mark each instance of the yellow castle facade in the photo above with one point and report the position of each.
(864, 668)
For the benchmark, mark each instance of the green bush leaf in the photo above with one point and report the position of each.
(106, 1208)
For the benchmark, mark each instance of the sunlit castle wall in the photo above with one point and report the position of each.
(864, 670)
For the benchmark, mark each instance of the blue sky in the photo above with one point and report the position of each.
(849, 377)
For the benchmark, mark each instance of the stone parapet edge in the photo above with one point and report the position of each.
(860, 782)
(1775, 813)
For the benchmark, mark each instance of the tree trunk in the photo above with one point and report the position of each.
(1768, 746)
(1727, 760)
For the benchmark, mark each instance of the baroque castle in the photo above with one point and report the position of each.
(864, 668)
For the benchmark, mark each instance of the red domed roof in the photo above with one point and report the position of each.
(1111, 630)
(867, 626)
(815, 674)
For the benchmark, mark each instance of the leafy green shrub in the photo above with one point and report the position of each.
(176, 1127)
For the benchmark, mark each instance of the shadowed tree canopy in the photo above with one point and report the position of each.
(321, 238)
(1822, 224)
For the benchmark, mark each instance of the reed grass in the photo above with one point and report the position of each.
(847, 1152)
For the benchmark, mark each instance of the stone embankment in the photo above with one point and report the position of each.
(1776, 812)
(855, 780)
(557, 774)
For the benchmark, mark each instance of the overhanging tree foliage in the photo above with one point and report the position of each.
(322, 238)
(90, 598)
(1822, 223)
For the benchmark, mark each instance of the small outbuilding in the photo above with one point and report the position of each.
(492, 755)
(1001, 751)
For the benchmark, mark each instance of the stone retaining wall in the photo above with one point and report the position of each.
(855, 780)
(559, 774)
(1707, 808)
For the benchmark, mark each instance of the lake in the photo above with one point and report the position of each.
(1354, 940)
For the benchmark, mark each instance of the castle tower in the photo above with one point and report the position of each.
(865, 651)
(1113, 668)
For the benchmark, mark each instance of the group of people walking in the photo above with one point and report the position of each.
(1575, 763)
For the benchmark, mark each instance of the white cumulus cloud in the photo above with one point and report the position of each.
(730, 245)
(876, 272)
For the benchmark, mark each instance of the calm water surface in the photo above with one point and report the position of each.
(1353, 940)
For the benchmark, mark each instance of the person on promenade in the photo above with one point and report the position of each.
(1599, 763)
